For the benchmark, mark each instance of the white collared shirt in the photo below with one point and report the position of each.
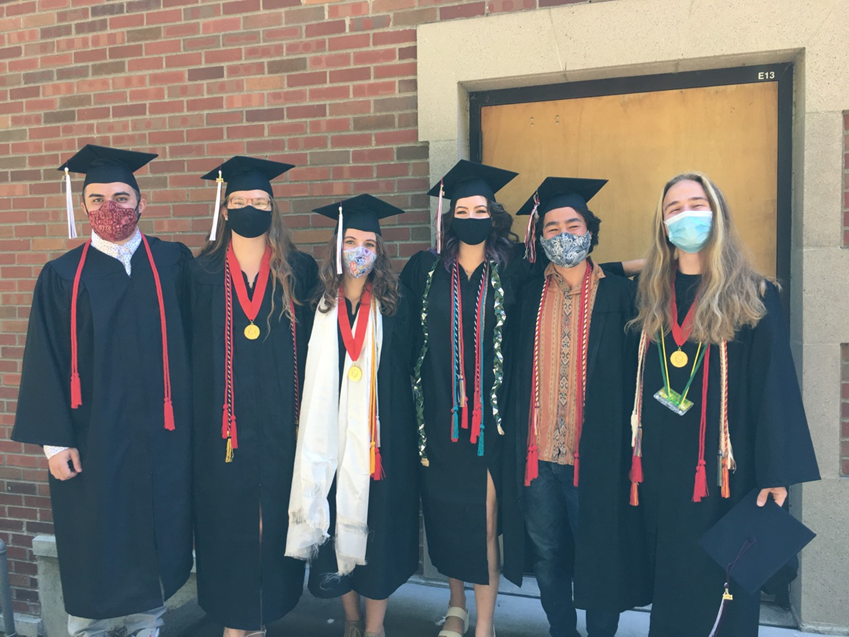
(124, 253)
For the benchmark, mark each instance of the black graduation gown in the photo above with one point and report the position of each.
(454, 485)
(124, 524)
(772, 447)
(609, 563)
(242, 582)
(392, 552)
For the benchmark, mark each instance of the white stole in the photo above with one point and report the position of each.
(334, 441)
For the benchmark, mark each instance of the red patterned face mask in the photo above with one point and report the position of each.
(113, 222)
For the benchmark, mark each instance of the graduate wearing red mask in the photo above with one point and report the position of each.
(106, 350)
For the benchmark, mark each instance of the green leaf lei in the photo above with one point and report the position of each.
(418, 393)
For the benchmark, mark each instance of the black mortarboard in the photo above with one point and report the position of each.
(243, 173)
(562, 192)
(556, 192)
(362, 212)
(752, 543)
(248, 173)
(468, 179)
(101, 165)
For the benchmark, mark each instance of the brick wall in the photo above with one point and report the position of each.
(329, 86)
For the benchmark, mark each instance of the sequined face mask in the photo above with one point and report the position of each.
(359, 261)
(567, 250)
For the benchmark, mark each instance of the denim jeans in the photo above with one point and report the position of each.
(144, 624)
(551, 503)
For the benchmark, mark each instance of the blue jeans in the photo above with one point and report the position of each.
(551, 503)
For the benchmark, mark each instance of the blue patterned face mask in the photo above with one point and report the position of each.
(689, 230)
(567, 250)
(358, 262)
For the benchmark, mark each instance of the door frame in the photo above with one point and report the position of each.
(782, 74)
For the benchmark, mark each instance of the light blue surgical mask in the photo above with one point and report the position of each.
(689, 230)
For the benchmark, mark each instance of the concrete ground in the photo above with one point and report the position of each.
(416, 610)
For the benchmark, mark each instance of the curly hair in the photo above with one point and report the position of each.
(281, 247)
(384, 282)
(498, 244)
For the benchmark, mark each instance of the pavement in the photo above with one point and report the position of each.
(417, 610)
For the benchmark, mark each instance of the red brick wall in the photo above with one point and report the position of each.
(329, 86)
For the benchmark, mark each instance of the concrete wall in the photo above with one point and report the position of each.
(54, 617)
(642, 37)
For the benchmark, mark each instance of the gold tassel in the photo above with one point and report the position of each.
(228, 456)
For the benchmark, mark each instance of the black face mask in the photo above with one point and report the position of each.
(249, 222)
(472, 231)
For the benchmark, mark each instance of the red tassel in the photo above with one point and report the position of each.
(378, 466)
(531, 465)
(476, 423)
(635, 494)
(700, 489)
(169, 415)
(233, 437)
(464, 416)
(225, 423)
(577, 469)
(76, 392)
(636, 474)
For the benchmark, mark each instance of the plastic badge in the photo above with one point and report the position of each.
(673, 401)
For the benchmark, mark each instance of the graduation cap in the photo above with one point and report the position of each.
(468, 179)
(752, 543)
(101, 165)
(362, 212)
(243, 173)
(552, 193)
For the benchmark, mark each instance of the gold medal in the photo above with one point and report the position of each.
(678, 359)
(355, 373)
(252, 332)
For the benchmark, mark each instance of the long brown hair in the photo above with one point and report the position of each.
(498, 244)
(281, 247)
(383, 280)
(731, 290)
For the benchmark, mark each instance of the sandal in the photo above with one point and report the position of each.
(459, 613)
(355, 628)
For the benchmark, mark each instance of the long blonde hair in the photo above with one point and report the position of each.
(281, 247)
(731, 291)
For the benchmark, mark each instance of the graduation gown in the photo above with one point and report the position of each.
(123, 525)
(392, 553)
(772, 447)
(454, 484)
(609, 563)
(244, 582)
